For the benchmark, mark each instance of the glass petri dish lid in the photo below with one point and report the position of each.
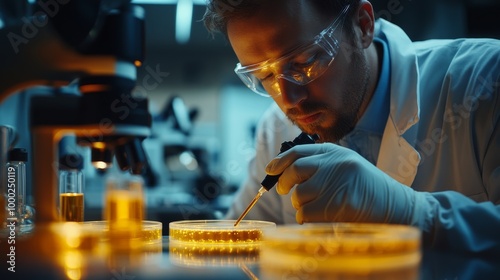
(151, 231)
(341, 249)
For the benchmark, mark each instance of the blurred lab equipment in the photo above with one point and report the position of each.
(187, 186)
(185, 163)
(8, 138)
(94, 47)
(101, 58)
(178, 115)
(19, 213)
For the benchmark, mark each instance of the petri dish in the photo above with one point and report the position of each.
(216, 242)
(341, 250)
(218, 231)
(151, 231)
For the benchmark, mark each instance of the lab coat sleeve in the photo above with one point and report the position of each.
(491, 121)
(272, 129)
(462, 225)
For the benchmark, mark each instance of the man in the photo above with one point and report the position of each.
(410, 131)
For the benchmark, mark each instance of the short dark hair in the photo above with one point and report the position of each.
(219, 12)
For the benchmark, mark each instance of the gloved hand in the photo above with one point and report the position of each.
(336, 184)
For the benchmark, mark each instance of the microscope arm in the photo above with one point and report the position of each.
(42, 49)
(46, 60)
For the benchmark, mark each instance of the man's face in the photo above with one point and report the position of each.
(327, 106)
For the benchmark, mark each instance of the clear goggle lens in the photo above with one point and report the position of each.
(301, 66)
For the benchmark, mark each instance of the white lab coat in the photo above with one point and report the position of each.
(442, 134)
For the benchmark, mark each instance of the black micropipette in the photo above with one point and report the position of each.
(271, 180)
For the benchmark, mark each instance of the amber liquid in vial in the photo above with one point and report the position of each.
(72, 207)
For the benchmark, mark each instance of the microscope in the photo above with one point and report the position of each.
(95, 46)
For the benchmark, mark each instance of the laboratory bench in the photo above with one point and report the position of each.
(161, 261)
(153, 263)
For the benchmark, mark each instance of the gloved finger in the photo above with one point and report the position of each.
(298, 172)
(303, 194)
(285, 159)
(314, 212)
(308, 214)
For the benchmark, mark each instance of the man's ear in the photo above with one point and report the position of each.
(366, 23)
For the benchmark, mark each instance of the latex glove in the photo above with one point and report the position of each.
(336, 184)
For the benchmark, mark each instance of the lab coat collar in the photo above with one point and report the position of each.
(397, 157)
(405, 107)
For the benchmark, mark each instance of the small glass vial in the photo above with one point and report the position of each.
(18, 212)
(71, 181)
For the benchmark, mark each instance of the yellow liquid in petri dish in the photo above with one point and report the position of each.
(151, 232)
(215, 242)
(218, 231)
(72, 207)
(342, 250)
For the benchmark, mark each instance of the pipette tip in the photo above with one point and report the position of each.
(250, 206)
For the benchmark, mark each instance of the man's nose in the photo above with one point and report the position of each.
(291, 93)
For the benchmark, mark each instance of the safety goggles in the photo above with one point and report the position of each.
(300, 66)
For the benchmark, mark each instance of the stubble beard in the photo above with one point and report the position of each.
(352, 98)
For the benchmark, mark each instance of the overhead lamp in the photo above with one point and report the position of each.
(183, 16)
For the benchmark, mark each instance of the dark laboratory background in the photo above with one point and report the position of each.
(204, 119)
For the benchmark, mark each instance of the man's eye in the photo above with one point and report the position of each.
(305, 61)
